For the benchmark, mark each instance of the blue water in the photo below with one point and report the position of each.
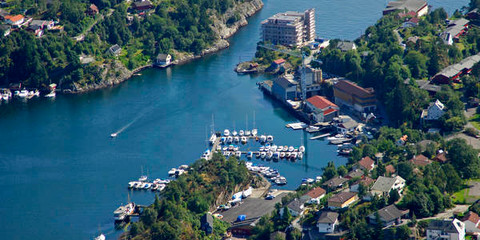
(61, 175)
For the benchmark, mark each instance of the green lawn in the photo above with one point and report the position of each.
(460, 196)
(475, 121)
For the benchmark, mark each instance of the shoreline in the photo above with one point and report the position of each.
(224, 32)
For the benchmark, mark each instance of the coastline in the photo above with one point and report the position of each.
(245, 9)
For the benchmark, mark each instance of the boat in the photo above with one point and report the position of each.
(206, 154)
(345, 151)
(267, 147)
(262, 148)
(5, 97)
(22, 94)
(113, 135)
(100, 237)
(223, 140)
(291, 148)
(282, 154)
(122, 212)
(248, 133)
(294, 156)
(235, 148)
(234, 133)
(226, 133)
(269, 155)
(276, 155)
(249, 155)
(257, 154)
(288, 154)
(336, 137)
(172, 171)
(241, 133)
(147, 186)
(52, 94)
(161, 187)
(263, 138)
(300, 155)
(229, 139)
(213, 138)
(301, 149)
(219, 148)
(263, 155)
(131, 184)
(184, 167)
(281, 181)
(154, 187)
(143, 178)
(269, 138)
(230, 147)
(238, 154)
(273, 148)
(280, 148)
(236, 139)
(312, 129)
(228, 154)
(254, 132)
(244, 140)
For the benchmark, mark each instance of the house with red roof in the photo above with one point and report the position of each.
(321, 109)
(350, 94)
(314, 195)
(472, 222)
(412, 22)
(389, 169)
(92, 10)
(366, 163)
(420, 160)
(441, 157)
(15, 20)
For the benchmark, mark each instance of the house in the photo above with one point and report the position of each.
(115, 50)
(342, 200)
(278, 63)
(43, 24)
(5, 30)
(441, 157)
(455, 71)
(366, 163)
(335, 183)
(410, 14)
(327, 222)
(350, 94)
(412, 22)
(346, 46)
(36, 29)
(471, 221)
(413, 39)
(142, 5)
(434, 111)
(420, 7)
(474, 14)
(356, 173)
(321, 109)
(402, 141)
(384, 185)
(389, 169)
(314, 195)
(455, 29)
(366, 182)
(285, 87)
(346, 125)
(207, 223)
(446, 229)
(15, 21)
(295, 207)
(420, 160)
(163, 60)
(389, 216)
(92, 10)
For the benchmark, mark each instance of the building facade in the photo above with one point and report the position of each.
(358, 98)
(294, 29)
(446, 229)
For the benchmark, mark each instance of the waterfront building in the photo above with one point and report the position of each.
(420, 7)
(389, 216)
(447, 229)
(163, 59)
(327, 222)
(384, 185)
(350, 94)
(314, 195)
(321, 109)
(346, 46)
(293, 29)
(284, 87)
(342, 200)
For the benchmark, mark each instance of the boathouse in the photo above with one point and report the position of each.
(163, 60)
(321, 109)
(285, 88)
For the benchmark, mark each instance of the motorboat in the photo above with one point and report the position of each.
(147, 186)
(231, 147)
(226, 133)
(291, 148)
(318, 179)
(267, 147)
(184, 167)
(172, 171)
(52, 94)
(336, 137)
(223, 140)
(238, 154)
(5, 96)
(113, 135)
(254, 132)
(228, 154)
(143, 178)
(236, 139)
(213, 138)
(248, 133)
(269, 155)
(122, 212)
(281, 181)
(257, 154)
(312, 129)
(262, 148)
(269, 138)
(301, 149)
(206, 154)
(276, 155)
(161, 187)
(100, 237)
(244, 140)
(285, 148)
(234, 133)
(294, 156)
(282, 154)
(154, 187)
(229, 139)
(250, 155)
(280, 148)
(219, 148)
(241, 133)
(131, 184)
(288, 154)
(263, 138)
(235, 148)
(273, 148)
(300, 155)
(22, 94)
(263, 155)
(179, 172)
(225, 148)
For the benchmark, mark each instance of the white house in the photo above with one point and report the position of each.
(434, 111)
(314, 195)
(295, 207)
(446, 229)
(327, 222)
(163, 59)
(384, 185)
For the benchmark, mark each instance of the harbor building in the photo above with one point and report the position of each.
(321, 109)
(420, 7)
(285, 87)
(293, 29)
(350, 94)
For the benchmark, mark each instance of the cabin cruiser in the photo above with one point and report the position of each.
(238, 154)
(257, 154)
(294, 156)
(244, 140)
(236, 139)
(249, 155)
(280, 148)
(231, 147)
(131, 184)
(172, 171)
(234, 133)
(229, 139)
(312, 129)
(206, 154)
(281, 181)
(282, 154)
(301, 149)
(241, 133)
(285, 148)
(276, 155)
(100, 237)
(287, 155)
(248, 133)
(269, 138)
(269, 155)
(291, 148)
(22, 94)
(273, 148)
(263, 138)
(263, 155)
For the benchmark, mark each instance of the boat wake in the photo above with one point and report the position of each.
(115, 134)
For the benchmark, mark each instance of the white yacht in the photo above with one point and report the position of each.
(281, 180)
(21, 94)
(143, 178)
(238, 154)
(131, 184)
(241, 133)
(229, 139)
(301, 149)
(249, 155)
(244, 140)
(254, 132)
(291, 148)
(226, 133)
(248, 133)
(52, 94)
(100, 237)
(270, 138)
(172, 171)
(263, 155)
(234, 133)
(113, 135)
(263, 138)
(269, 155)
(236, 139)
(282, 154)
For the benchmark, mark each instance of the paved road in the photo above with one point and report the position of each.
(252, 208)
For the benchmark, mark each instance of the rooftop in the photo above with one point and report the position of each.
(335, 182)
(389, 213)
(472, 217)
(454, 69)
(366, 163)
(321, 102)
(316, 192)
(445, 225)
(296, 205)
(14, 18)
(354, 89)
(342, 197)
(410, 5)
(328, 217)
(385, 184)
(420, 160)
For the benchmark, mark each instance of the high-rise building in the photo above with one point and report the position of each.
(290, 28)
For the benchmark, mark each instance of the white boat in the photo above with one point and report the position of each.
(263, 138)
(21, 94)
(227, 154)
(288, 154)
(226, 133)
(280, 148)
(234, 133)
(301, 149)
(248, 133)
(300, 155)
(273, 148)
(254, 132)
(219, 148)
(131, 184)
(297, 126)
(213, 138)
(143, 178)
(269, 138)
(147, 186)
(184, 167)
(235, 148)
(241, 133)
(244, 140)
(250, 155)
(52, 94)
(269, 155)
(5, 96)
(223, 140)
(282, 154)
(276, 155)
(113, 135)
(336, 137)
(257, 154)
(285, 148)
(206, 154)
(318, 179)
(236, 139)
(281, 181)
(312, 129)
(291, 148)
(161, 187)
(123, 211)
(262, 148)
(238, 154)
(263, 155)
(154, 187)
(172, 171)
(267, 147)
(36, 93)
(100, 237)
(231, 147)
(294, 156)
(229, 139)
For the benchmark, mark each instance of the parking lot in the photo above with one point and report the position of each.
(252, 208)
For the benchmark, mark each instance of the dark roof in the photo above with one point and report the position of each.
(207, 218)
(142, 4)
(441, 157)
(4, 27)
(328, 217)
(454, 69)
(342, 197)
(335, 182)
(444, 225)
(410, 5)
(345, 46)
(384, 184)
(388, 213)
(472, 217)
(284, 82)
(354, 173)
(354, 89)
(162, 57)
(296, 204)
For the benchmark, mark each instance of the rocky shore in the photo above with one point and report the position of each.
(115, 72)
